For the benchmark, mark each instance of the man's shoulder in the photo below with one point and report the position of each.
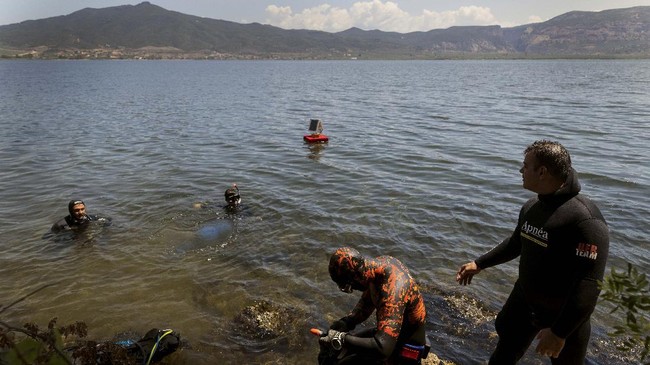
(389, 261)
(61, 224)
(582, 208)
(394, 268)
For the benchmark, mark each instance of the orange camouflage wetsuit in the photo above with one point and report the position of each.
(388, 289)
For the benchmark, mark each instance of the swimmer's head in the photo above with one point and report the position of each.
(77, 209)
(346, 269)
(232, 196)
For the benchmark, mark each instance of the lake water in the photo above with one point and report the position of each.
(422, 164)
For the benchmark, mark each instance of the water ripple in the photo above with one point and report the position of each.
(422, 164)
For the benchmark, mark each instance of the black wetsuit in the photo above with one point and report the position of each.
(563, 241)
(70, 223)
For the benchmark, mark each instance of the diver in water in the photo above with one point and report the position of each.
(233, 199)
(234, 207)
(233, 202)
(389, 289)
(220, 229)
(78, 218)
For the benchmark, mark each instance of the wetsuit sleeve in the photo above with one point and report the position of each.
(362, 310)
(508, 249)
(591, 256)
(390, 316)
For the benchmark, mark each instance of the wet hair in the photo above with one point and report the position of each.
(72, 203)
(552, 155)
(345, 265)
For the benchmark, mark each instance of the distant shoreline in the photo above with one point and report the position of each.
(45, 53)
(147, 31)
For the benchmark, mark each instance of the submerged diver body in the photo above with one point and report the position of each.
(389, 289)
(224, 227)
(233, 207)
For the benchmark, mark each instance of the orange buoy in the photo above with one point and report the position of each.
(313, 138)
(316, 127)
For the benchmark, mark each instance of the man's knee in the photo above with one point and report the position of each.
(516, 333)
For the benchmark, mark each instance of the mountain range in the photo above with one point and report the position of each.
(149, 31)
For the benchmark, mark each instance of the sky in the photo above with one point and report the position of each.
(401, 16)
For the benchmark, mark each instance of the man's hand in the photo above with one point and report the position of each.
(466, 272)
(549, 344)
(340, 325)
(334, 339)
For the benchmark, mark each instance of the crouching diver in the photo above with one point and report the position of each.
(78, 218)
(390, 290)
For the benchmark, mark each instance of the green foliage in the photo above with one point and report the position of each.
(630, 292)
(30, 351)
(36, 346)
(31, 345)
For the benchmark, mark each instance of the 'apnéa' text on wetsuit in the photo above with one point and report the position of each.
(562, 240)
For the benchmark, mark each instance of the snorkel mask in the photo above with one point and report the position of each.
(232, 195)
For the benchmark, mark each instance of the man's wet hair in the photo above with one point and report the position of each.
(552, 155)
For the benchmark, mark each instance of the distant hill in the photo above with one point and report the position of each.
(149, 31)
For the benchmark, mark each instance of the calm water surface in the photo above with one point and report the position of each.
(422, 164)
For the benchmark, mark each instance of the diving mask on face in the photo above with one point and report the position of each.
(346, 288)
(232, 195)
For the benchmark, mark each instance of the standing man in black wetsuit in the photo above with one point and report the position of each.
(562, 240)
(78, 218)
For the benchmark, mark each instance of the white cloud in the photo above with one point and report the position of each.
(534, 19)
(322, 17)
(375, 14)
